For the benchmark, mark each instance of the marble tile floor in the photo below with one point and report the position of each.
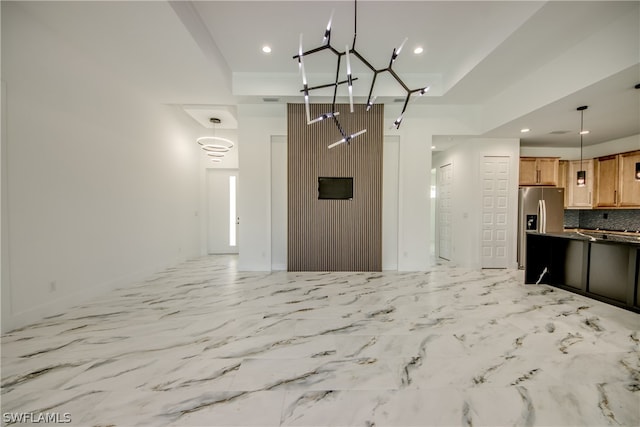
(203, 344)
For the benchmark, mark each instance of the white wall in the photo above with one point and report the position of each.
(466, 158)
(414, 196)
(5, 298)
(612, 48)
(390, 188)
(279, 199)
(564, 153)
(630, 143)
(416, 136)
(102, 185)
(256, 123)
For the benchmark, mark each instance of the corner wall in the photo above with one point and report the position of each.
(630, 143)
(102, 185)
(467, 191)
(256, 125)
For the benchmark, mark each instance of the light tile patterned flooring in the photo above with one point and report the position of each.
(203, 344)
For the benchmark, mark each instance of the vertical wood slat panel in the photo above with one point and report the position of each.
(334, 235)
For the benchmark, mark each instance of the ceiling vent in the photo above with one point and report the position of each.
(271, 99)
(559, 132)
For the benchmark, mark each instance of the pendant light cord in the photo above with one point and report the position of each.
(355, 23)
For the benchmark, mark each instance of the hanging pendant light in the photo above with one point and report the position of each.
(215, 146)
(581, 178)
(350, 53)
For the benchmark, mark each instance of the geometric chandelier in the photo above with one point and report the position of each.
(215, 147)
(347, 137)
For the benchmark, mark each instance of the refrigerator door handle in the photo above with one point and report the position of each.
(542, 216)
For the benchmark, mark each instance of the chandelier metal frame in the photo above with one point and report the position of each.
(347, 137)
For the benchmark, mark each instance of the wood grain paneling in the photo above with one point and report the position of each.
(334, 235)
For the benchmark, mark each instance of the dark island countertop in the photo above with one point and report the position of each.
(603, 265)
(599, 236)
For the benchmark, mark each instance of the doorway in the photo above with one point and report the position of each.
(222, 217)
(445, 226)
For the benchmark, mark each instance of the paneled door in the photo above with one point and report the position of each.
(222, 217)
(443, 196)
(495, 201)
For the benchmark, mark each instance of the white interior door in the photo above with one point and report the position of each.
(495, 185)
(222, 217)
(443, 196)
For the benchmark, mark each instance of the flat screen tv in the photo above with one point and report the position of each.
(335, 188)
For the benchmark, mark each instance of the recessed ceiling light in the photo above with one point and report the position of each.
(525, 130)
(418, 50)
(433, 147)
(266, 49)
(584, 132)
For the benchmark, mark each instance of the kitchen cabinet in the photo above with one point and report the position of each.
(539, 171)
(563, 171)
(606, 173)
(602, 268)
(579, 197)
(616, 186)
(629, 186)
(612, 281)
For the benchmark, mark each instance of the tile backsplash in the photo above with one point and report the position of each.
(614, 220)
(571, 218)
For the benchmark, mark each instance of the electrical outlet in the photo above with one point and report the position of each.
(53, 286)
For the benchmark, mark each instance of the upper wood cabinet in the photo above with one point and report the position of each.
(606, 172)
(629, 187)
(539, 171)
(616, 186)
(579, 197)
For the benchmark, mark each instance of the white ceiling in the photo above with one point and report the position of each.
(200, 54)
(613, 112)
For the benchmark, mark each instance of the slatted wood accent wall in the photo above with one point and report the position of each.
(334, 235)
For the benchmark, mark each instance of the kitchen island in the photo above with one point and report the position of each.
(600, 265)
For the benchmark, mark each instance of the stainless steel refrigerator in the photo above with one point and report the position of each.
(540, 209)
